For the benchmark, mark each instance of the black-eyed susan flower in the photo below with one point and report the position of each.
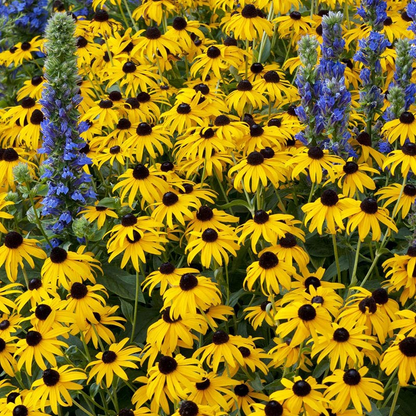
(32, 88)
(12, 157)
(23, 50)
(326, 209)
(51, 314)
(4, 215)
(246, 397)
(168, 333)
(270, 227)
(7, 349)
(277, 88)
(392, 194)
(366, 215)
(219, 312)
(151, 42)
(259, 314)
(230, 128)
(303, 281)
(353, 176)
(207, 217)
(254, 170)
(112, 361)
(154, 10)
(289, 251)
(248, 24)
(9, 324)
(213, 59)
(84, 300)
(245, 95)
(6, 303)
(181, 31)
(53, 387)
(350, 386)
(305, 319)
(166, 276)
(405, 322)
(105, 112)
(36, 293)
(401, 355)
(299, 394)
(213, 389)
(224, 348)
(271, 272)
(345, 343)
(175, 206)
(190, 294)
(39, 345)
(286, 355)
(294, 26)
(253, 360)
(190, 408)
(365, 312)
(403, 127)
(186, 115)
(23, 405)
(64, 267)
(16, 249)
(102, 24)
(135, 248)
(212, 245)
(144, 180)
(170, 378)
(98, 213)
(363, 143)
(404, 157)
(270, 408)
(402, 269)
(99, 330)
(313, 161)
(146, 140)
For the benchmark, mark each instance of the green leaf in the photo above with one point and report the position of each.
(374, 410)
(120, 283)
(108, 202)
(256, 383)
(266, 50)
(320, 369)
(331, 271)
(236, 202)
(236, 296)
(127, 310)
(318, 246)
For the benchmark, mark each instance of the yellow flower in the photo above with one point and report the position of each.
(55, 385)
(112, 361)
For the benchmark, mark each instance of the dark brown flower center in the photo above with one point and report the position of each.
(35, 284)
(409, 149)
(244, 85)
(261, 217)
(136, 237)
(301, 388)
(11, 397)
(295, 15)
(255, 158)
(249, 11)
(140, 172)
(126, 412)
(241, 390)
(101, 16)
(153, 33)
(245, 352)
(109, 357)
(10, 155)
(167, 365)
(350, 168)
(123, 124)
(288, 241)
(220, 337)
(364, 138)
(271, 76)
(144, 129)
(36, 117)
(209, 235)
(167, 268)
(222, 121)
(380, 296)
(132, 103)
(50, 377)
(256, 130)
(79, 290)
(183, 108)
(409, 190)
(256, 68)
(407, 118)
(58, 255)
(42, 311)
(315, 153)
(368, 305)
(341, 335)
(128, 220)
(169, 199)
(188, 408)
(307, 312)
(329, 198)
(13, 240)
(408, 346)
(273, 408)
(20, 410)
(267, 152)
(203, 385)
(268, 260)
(188, 282)
(4, 324)
(369, 206)
(36, 80)
(352, 377)
(205, 213)
(105, 104)
(33, 338)
(129, 67)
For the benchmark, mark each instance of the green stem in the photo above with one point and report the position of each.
(354, 270)
(130, 15)
(334, 243)
(395, 398)
(83, 409)
(136, 301)
(25, 277)
(37, 219)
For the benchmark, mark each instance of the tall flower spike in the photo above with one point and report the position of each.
(68, 186)
(335, 99)
(373, 12)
